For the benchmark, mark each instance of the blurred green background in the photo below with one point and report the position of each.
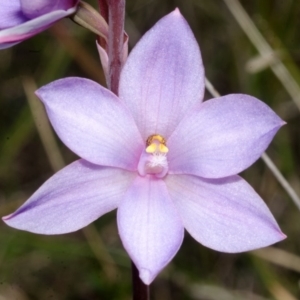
(91, 263)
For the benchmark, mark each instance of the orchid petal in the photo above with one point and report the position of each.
(163, 76)
(92, 122)
(223, 137)
(149, 226)
(223, 214)
(71, 199)
(35, 8)
(14, 35)
(11, 14)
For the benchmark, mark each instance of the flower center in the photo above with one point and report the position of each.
(154, 159)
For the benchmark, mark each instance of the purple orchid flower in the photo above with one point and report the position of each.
(165, 160)
(21, 19)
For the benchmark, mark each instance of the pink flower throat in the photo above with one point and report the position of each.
(154, 159)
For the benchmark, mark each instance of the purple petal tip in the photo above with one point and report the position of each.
(5, 218)
(283, 236)
(177, 11)
(146, 276)
(283, 123)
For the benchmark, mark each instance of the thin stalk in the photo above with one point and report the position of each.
(140, 290)
(103, 7)
(116, 17)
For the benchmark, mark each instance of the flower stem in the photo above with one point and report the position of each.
(103, 6)
(116, 17)
(140, 290)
